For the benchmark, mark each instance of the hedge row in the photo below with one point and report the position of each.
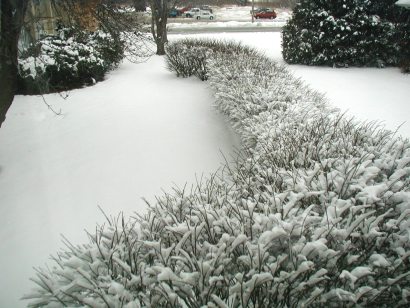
(315, 212)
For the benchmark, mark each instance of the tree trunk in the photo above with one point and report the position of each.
(139, 5)
(159, 9)
(161, 36)
(12, 17)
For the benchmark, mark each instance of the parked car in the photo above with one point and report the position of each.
(174, 13)
(192, 12)
(185, 9)
(259, 9)
(204, 15)
(266, 14)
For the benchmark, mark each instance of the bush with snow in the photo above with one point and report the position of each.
(71, 60)
(347, 32)
(188, 57)
(315, 212)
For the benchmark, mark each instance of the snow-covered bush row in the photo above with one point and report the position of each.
(347, 32)
(315, 212)
(187, 57)
(71, 60)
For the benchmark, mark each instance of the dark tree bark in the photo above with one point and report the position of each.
(12, 17)
(139, 5)
(159, 9)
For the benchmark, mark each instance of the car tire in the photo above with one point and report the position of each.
(198, 17)
(210, 18)
(271, 17)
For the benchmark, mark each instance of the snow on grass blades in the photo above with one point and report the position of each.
(315, 212)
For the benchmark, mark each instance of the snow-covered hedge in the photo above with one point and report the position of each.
(347, 32)
(71, 60)
(316, 212)
(188, 57)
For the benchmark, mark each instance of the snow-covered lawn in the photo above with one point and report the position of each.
(368, 93)
(231, 17)
(123, 139)
(130, 136)
(175, 26)
(242, 13)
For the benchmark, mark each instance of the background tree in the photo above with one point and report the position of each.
(159, 10)
(101, 14)
(341, 33)
(400, 17)
(88, 15)
(12, 14)
(139, 5)
(125, 27)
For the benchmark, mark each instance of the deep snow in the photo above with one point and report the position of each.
(371, 94)
(127, 137)
(141, 130)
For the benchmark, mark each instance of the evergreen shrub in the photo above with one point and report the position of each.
(315, 212)
(71, 60)
(346, 32)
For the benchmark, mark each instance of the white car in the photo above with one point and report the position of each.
(192, 12)
(204, 15)
(199, 14)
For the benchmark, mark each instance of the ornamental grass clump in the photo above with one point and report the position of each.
(315, 212)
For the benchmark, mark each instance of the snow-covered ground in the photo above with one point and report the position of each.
(231, 17)
(226, 24)
(127, 137)
(368, 93)
(242, 13)
(141, 130)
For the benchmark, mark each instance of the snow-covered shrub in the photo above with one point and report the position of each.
(71, 60)
(188, 58)
(315, 212)
(345, 32)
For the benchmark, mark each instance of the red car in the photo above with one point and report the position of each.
(266, 14)
(185, 9)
